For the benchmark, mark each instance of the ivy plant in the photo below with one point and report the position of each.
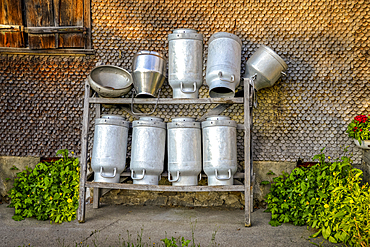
(328, 197)
(49, 191)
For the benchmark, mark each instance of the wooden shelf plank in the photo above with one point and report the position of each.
(164, 187)
(167, 101)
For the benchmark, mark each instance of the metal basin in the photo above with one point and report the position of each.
(110, 81)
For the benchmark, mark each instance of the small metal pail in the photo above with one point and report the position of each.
(264, 67)
(148, 73)
(110, 148)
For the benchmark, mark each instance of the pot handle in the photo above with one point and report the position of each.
(232, 77)
(106, 176)
(200, 176)
(216, 173)
(137, 178)
(188, 91)
(143, 114)
(283, 73)
(173, 180)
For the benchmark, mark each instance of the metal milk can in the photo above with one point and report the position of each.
(110, 148)
(223, 64)
(148, 73)
(264, 67)
(185, 51)
(219, 150)
(147, 150)
(184, 151)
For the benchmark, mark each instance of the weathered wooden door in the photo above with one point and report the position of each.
(11, 24)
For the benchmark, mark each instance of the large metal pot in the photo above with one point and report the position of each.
(219, 150)
(110, 81)
(147, 150)
(185, 51)
(148, 73)
(264, 67)
(223, 64)
(184, 151)
(110, 147)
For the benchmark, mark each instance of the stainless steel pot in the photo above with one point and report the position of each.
(264, 67)
(223, 64)
(148, 73)
(185, 51)
(109, 149)
(147, 150)
(219, 150)
(184, 151)
(110, 81)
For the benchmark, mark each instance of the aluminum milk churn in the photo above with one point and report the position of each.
(264, 67)
(184, 151)
(219, 150)
(148, 73)
(223, 64)
(147, 150)
(185, 51)
(110, 148)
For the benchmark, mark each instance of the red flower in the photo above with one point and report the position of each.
(360, 130)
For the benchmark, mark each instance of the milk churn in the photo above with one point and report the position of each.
(148, 73)
(219, 150)
(223, 64)
(264, 67)
(185, 51)
(110, 147)
(184, 151)
(147, 150)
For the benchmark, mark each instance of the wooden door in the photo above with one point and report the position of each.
(11, 24)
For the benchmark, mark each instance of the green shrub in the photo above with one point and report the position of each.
(327, 197)
(50, 191)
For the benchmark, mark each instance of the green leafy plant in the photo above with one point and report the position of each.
(14, 168)
(359, 128)
(49, 191)
(327, 197)
(270, 173)
(8, 179)
(264, 183)
(173, 242)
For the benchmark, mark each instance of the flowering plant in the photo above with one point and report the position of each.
(359, 128)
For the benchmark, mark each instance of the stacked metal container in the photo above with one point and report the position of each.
(185, 51)
(219, 150)
(147, 150)
(184, 151)
(223, 64)
(110, 147)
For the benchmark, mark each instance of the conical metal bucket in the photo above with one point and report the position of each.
(264, 67)
(148, 73)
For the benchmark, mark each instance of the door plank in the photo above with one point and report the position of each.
(11, 14)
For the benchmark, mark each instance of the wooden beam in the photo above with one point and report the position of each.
(165, 187)
(45, 30)
(167, 101)
(247, 158)
(51, 52)
(83, 161)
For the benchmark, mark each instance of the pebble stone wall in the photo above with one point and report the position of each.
(326, 45)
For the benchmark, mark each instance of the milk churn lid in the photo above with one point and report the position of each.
(110, 119)
(183, 122)
(218, 121)
(185, 33)
(148, 121)
(220, 35)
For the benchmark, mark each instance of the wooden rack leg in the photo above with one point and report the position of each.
(83, 161)
(247, 158)
(96, 198)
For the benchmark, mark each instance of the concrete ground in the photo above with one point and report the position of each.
(111, 225)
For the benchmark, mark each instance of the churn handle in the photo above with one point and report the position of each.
(105, 176)
(143, 114)
(216, 173)
(174, 180)
(190, 91)
(138, 178)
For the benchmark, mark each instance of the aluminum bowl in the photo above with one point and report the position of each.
(110, 81)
